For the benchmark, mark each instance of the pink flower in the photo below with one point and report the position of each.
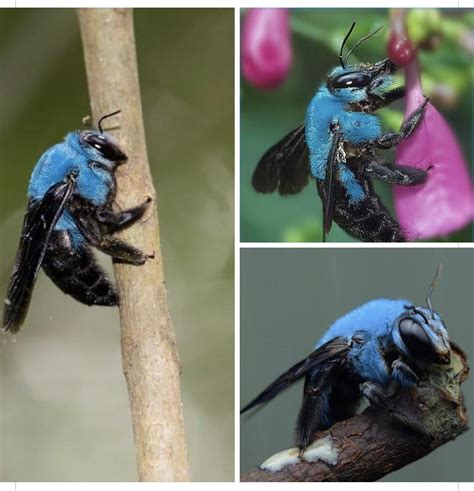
(445, 202)
(266, 47)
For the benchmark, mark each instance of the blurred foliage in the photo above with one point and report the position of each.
(64, 413)
(268, 115)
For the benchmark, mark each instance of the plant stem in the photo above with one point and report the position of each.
(150, 359)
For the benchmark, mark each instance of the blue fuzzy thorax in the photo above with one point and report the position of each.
(93, 182)
(357, 128)
(374, 322)
(376, 317)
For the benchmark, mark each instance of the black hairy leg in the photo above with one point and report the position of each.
(394, 174)
(121, 251)
(115, 248)
(330, 395)
(314, 408)
(389, 140)
(377, 397)
(345, 397)
(377, 101)
(114, 222)
(92, 231)
(403, 374)
(76, 272)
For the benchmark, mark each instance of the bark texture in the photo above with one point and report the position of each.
(371, 445)
(150, 359)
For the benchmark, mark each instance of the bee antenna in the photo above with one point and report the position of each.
(433, 284)
(99, 124)
(360, 42)
(341, 61)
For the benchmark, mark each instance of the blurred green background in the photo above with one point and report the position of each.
(64, 413)
(266, 116)
(290, 296)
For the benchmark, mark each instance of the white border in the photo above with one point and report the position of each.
(239, 3)
(231, 486)
(237, 243)
(356, 245)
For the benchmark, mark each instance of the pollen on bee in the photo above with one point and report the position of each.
(7, 301)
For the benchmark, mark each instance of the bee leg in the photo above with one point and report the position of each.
(116, 248)
(121, 251)
(374, 394)
(395, 174)
(389, 140)
(404, 375)
(314, 412)
(118, 221)
(379, 101)
(378, 397)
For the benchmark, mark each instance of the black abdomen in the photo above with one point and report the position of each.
(76, 272)
(368, 220)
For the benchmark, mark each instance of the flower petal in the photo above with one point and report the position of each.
(445, 202)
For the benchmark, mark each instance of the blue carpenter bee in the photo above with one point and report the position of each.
(70, 198)
(337, 146)
(363, 354)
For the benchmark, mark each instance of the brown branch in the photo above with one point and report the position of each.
(150, 359)
(371, 445)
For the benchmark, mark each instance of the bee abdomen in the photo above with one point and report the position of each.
(367, 220)
(76, 272)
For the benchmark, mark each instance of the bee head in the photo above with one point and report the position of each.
(100, 146)
(355, 83)
(420, 333)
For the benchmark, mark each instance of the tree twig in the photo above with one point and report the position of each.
(371, 445)
(150, 359)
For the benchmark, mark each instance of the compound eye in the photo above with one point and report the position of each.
(109, 150)
(98, 142)
(349, 80)
(416, 340)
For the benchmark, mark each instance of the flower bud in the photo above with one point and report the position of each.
(266, 47)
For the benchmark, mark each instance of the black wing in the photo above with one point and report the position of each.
(284, 166)
(328, 202)
(329, 354)
(40, 219)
